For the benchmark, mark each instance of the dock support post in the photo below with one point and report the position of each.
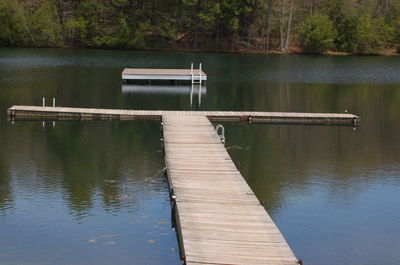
(237, 164)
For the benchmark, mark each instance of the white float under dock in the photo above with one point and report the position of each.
(163, 89)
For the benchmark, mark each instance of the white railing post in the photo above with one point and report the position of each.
(191, 71)
(43, 102)
(200, 74)
(54, 102)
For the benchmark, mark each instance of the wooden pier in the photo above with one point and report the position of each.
(65, 113)
(218, 218)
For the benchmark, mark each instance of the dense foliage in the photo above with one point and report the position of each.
(356, 26)
(317, 33)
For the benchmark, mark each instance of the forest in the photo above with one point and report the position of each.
(288, 26)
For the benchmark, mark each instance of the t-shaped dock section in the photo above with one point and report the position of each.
(219, 220)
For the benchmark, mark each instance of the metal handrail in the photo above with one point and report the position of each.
(222, 135)
(193, 75)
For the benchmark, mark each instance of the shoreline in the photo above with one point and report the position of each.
(294, 51)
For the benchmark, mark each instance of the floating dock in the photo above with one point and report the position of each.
(195, 76)
(66, 113)
(219, 219)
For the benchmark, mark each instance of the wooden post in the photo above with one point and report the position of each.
(237, 164)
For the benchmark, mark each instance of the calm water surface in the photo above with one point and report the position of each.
(93, 192)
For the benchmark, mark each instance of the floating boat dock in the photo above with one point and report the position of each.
(195, 76)
(66, 113)
(218, 217)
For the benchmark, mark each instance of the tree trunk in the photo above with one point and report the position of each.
(217, 37)
(282, 14)
(268, 31)
(234, 39)
(248, 45)
(264, 40)
(60, 29)
(196, 25)
(176, 26)
(27, 28)
(286, 47)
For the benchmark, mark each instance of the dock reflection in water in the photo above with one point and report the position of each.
(194, 90)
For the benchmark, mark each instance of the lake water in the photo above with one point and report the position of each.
(93, 192)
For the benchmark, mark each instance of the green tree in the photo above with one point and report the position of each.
(14, 28)
(397, 35)
(372, 34)
(77, 30)
(46, 26)
(346, 38)
(317, 34)
(367, 26)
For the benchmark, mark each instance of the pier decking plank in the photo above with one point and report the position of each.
(220, 220)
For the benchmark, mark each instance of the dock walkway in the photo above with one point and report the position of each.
(65, 113)
(219, 219)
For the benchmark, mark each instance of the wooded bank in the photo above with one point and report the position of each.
(310, 26)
